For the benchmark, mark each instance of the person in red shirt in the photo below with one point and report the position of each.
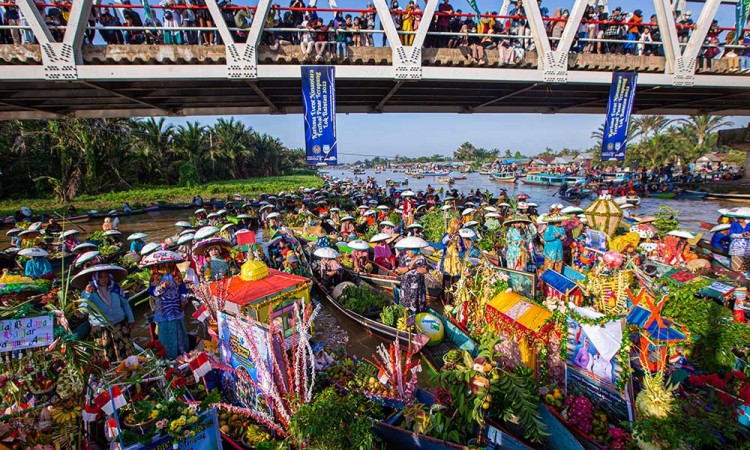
(445, 10)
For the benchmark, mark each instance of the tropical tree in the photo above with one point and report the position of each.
(699, 129)
(152, 139)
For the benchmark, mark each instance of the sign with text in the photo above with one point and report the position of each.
(29, 332)
(319, 100)
(621, 96)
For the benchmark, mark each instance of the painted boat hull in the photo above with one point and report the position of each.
(692, 195)
(663, 195)
(732, 197)
(504, 178)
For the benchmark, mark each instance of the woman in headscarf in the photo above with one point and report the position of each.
(739, 245)
(515, 239)
(70, 241)
(168, 289)
(554, 235)
(450, 262)
(37, 266)
(216, 266)
(413, 292)
(407, 24)
(109, 314)
(347, 225)
(382, 254)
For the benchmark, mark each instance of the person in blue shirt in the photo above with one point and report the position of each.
(169, 290)
(137, 242)
(554, 235)
(109, 314)
(720, 240)
(38, 266)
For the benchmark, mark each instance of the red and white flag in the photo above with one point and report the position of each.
(112, 429)
(200, 365)
(109, 404)
(91, 413)
(201, 314)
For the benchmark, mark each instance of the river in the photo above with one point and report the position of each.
(160, 225)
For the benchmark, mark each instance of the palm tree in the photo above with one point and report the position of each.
(190, 143)
(649, 125)
(152, 141)
(233, 146)
(700, 127)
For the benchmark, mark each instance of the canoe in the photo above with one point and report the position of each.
(732, 197)
(74, 219)
(386, 280)
(447, 180)
(459, 178)
(692, 195)
(418, 340)
(134, 212)
(455, 339)
(504, 177)
(175, 206)
(663, 195)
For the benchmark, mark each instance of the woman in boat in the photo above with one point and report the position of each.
(109, 312)
(107, 225)
(70, 241)
(554, 235)
(408, 208)
(387, 227)
(216, 267)
(360, 256)
(331, 272)
(412, 268)
(37, 266)
(347, 225)
(516, 254)
(450, 262)
(170, 294)
(293, 267)
(721, 239)
(739, 246)
(468, 236)
(382, 254)
(137, 242)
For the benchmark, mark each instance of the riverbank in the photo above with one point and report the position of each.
(148, 195)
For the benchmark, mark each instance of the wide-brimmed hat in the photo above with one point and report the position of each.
(415, 226)
(554, 218)
(203, 246)
(205, 233)
(681, 234)
(185, 238)
(326, 253)
(492, 215)
(471, 223)
(412, 242)
(112, 233)
(13, 231)
(571, 210)
(408, 194)
(516, 218)
(387, 223)
(213, 215)
(358, 244)
(26, 233)
(740, 213)
(86, 257)
(273, 215)
(183, 224)
(228, 226)
(379, 237)
(150, 248)
(467, 233)
(137, 236)
(200, 211)
(84, 247)
(33, 252)
(82, 279)
(69, 233)
(721, 227)
(347, 218)
(490, 209)
(244, 216)
(383, 207)
(161, 257)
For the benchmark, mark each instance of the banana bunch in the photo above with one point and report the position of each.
(65, 415)
(69, 383)
(9, 278)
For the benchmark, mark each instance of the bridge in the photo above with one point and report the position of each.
(65, 78)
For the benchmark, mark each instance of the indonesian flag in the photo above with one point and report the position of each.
(91, 413)
(200, 366)
(382, 377)
(112, 430)
(201, 314)
(109, 404)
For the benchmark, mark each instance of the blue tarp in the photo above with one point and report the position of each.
(639, 316)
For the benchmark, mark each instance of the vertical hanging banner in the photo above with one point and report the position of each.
(621, 96)
(740, 18)
(319, 100)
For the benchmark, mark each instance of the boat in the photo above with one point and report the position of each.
(418, 340)
(175, 206)
(627, 199)
(455, 339)
(692, 195)
(617, 177)
(74, 219)
(663, 195)
(450, 180)
(386, 280)
(358, 171)
(504, 177)
(549, 179)
(731, 197)
(460, 177)
(134, 212)
(484, 172)
(430, 173)
(721, 262)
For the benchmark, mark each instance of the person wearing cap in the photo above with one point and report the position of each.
(293, 266)
(721, 239)
(554, 235)
(413, 291)
(109, 315)
(39, 267)
(168, 289)
(739, 246)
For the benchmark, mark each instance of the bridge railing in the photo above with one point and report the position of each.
(62, 45)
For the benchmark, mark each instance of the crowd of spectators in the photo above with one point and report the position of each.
(600, 31)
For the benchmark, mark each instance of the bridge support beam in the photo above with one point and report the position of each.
(554, 63)
(242, 58)
(407, 59)
(60, 59)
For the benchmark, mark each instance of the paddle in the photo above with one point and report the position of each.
(63, 219)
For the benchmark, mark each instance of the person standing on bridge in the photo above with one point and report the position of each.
(445, 11)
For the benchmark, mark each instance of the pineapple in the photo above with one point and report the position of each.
(656, 399)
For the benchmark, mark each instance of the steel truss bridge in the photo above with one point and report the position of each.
(67, 79)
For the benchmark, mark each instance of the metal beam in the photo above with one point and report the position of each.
(391, 93)
(126, 97)
(386, 21)
(259, 92)
(424, 24)
(221, 26)
(690, 102)
(76, 28)
(50, 114)
(668, 32)
(36, 21)
(698, 36)
(512, 94)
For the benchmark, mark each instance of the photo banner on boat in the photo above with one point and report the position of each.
(621, 96)
(319, 100)
(592, 361)
(523, 283)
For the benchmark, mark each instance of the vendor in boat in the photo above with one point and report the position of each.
(107, 225)
(108, 309)
(739, 246)
(274, 223)
(331, 272)
(360, 256)
(467, 215)
(383, 256)
(15, 240)
(216, 266)
(387, 227)
(227, 232)
(415, 229)
(554, 235)
(70, 240)
(170, 294)
(347, 225)
(516, 253)
(293, 266)
(382, 213)
(721, 239)
(468, 237)
(185, 249)
(37, 266)
(412, 268)
(450, 265)
(137, 242)
(407, 208)
(31, 238)
(53, 227)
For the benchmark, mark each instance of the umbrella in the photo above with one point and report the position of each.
(150, 248)
(203, 246)
(359, 244)
(326, 253)
(81, 280)
(644, 230)
(33, 252)
(137, 236)
(161, 257)
(380, 237)
(86, 257)
(204, 233)
(412, 242)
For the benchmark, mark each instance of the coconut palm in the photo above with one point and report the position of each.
(700, 127)
(151, 140)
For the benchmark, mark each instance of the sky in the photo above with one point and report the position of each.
(363, 136)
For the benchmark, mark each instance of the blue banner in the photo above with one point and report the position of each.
(319, 99)
(621, 95)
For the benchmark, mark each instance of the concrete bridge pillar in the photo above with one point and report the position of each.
(738, 139)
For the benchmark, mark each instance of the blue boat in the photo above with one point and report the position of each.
(455, 339)
(430, 173)
(550, 179)
(692, 195)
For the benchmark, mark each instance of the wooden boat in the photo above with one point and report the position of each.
(460, 177)
(585, 440)
(662, 195)
(731, 196)
(504, 177)
(385, 279)
(418, 340)
(721, 262)
(134, 212)
(447, 180)
(692, 195)
(628, 199)
(175, 206)
(549, 179)
(455, 339)
(62, 261)
(74, 219)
